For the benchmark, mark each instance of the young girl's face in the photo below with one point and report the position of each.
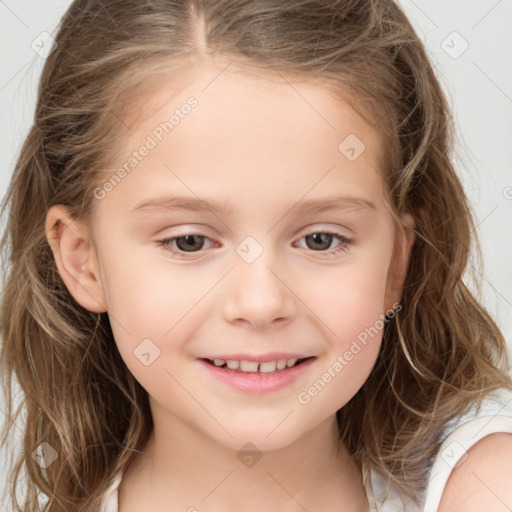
(296, 257)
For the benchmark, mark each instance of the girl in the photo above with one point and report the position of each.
(234, 258)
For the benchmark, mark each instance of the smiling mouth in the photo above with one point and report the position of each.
(253, 367)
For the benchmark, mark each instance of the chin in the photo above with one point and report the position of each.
(264, 437)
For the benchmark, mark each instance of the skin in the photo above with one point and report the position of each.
(482, 481)
(259, 146)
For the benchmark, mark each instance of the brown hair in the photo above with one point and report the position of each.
(441, 353)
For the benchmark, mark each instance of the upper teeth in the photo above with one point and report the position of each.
(254, 366)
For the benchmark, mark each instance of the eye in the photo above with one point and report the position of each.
(188, 243)
(322, 240)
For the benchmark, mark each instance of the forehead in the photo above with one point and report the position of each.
(261, 130)
(228, 94)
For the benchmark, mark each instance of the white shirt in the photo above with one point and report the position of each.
(494, 415)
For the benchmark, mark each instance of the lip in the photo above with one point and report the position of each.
(257, 384)
(262, 358)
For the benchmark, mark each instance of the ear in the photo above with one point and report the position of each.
(404, 240)
(75, 258)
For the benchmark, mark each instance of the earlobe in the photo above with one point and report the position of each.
(75, 258)
(404, 240)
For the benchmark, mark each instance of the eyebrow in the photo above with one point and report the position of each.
(300, 207)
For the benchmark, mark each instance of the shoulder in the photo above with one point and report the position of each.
(482, 480)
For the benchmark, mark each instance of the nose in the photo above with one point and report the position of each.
(259, 294)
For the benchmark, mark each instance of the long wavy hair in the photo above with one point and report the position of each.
(440, 354)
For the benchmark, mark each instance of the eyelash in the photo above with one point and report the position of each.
(343, 247)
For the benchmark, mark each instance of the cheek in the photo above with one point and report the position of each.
(145, 309)
(152, 301)
(348, 299)
(350, 305)
(352, 314)
(145, 296)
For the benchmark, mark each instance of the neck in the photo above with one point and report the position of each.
(183, 467)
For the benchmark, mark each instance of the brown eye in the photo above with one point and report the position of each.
(190, 243)
(180, 245)
(319, 241)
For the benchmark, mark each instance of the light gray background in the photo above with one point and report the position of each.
(478, 83)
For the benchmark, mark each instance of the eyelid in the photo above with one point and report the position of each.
(332, 231)
(314, 228)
